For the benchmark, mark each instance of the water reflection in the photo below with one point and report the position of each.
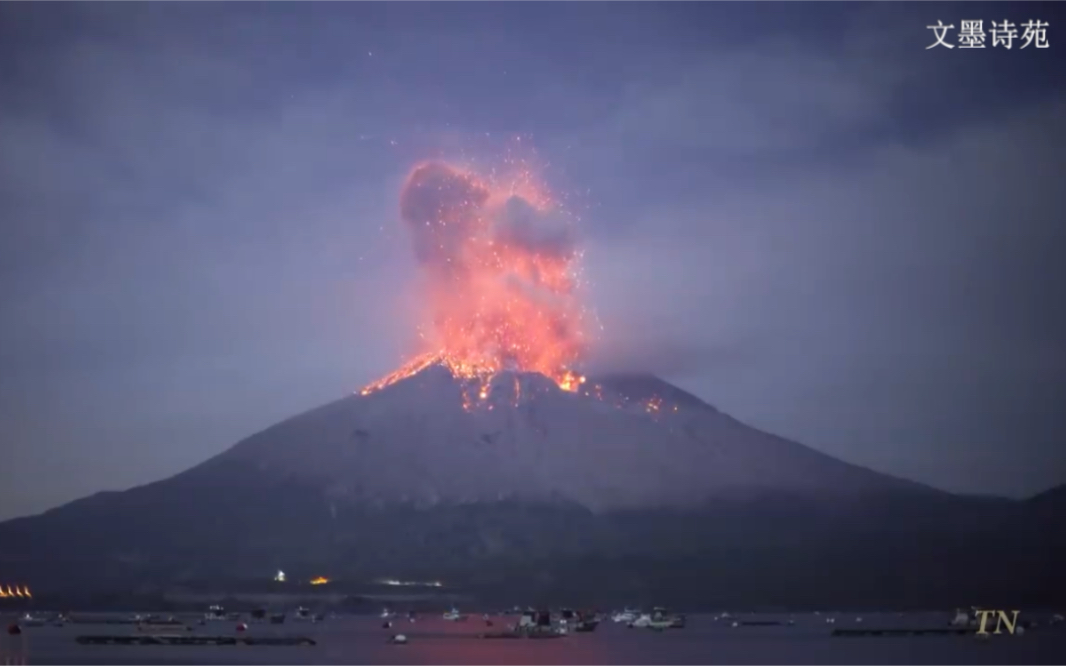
(13, 650)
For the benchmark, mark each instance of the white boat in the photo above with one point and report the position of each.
(386, 614)
(965, 618)
(538, 624)
(454, 616)
(303, 615)
(215, 613)
(28, 620)
(659, 618)
(625, 616)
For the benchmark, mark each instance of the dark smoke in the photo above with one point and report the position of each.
(522, 226)
(442, 207)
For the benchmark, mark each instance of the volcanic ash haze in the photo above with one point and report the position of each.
(499, 271)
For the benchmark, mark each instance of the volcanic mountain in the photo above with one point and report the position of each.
(627, 490)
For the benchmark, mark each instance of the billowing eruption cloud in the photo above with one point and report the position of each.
(500, 275)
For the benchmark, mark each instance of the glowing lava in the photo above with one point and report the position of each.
(501, 276)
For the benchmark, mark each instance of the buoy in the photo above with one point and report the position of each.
(1019, 631)
(386, 625)
(736, 624)
(242, 626)
(14, 629)
(399, 639)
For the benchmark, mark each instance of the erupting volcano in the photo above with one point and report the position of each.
(500, 277)
(485, 463)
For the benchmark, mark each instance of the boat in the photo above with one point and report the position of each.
(586, 622)
(531, 625)
(214, 614)
(538, 624)
(303, 615)
(454, 615)
(259, 614)
(626, 616)
(658, 619)
(28, 620)
(386, 614)
(277, 618)
(159, 623)
(964, 618)
(578, 621)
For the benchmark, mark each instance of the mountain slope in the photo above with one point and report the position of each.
(414, 441)
(540, 493)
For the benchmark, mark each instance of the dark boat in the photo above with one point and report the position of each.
(578, 621)
(278, 618)
(586, 622)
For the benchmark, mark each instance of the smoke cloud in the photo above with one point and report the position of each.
(499, 262)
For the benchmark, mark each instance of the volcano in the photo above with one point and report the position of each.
(628, 490)
(490, 463)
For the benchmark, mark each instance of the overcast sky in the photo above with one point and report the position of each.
(798, 212)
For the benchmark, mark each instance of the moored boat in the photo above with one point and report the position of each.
(454, 615)
(658, 619)
(28, 620)
(215, 614)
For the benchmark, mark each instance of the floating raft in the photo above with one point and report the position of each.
(521, 634)
(934, 631)
(187, 639)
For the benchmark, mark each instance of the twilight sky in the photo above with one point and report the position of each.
(795, 211)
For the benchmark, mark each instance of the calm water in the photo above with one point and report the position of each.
(363, 640)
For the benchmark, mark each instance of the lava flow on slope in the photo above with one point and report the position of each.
(500, 271)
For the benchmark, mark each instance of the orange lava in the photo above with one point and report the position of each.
(501, 276)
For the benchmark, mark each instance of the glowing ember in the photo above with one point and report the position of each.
(501, 277)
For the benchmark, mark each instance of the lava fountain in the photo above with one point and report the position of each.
(501, 279)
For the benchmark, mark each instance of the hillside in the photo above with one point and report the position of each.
(540, 493)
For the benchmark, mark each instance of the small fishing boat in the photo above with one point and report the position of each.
(454, 615)
(28, 620)
(658, 619)
(215, 614)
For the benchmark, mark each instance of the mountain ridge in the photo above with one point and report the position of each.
(401, 482)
